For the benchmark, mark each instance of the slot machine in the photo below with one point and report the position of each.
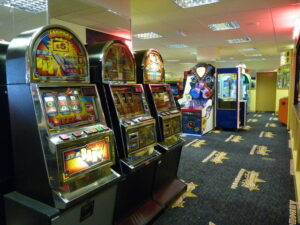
(231, 108)
(150, 72)
(63, 150)
(113, 69)
(6, 162)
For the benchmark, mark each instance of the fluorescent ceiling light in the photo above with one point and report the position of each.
(255, 59)
(193, 53)
(193, 3)
(248, 49)
(172, 60)
(178, 46)
(32, 6)
(239, 40)
(224, 26)
(148, 35)
(253, 55)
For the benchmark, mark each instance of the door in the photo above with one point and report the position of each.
(266, 91)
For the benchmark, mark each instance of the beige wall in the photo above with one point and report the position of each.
(266, 91)
(252, 95)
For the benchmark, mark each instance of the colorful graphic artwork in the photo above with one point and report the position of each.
(69, 106)
(118, 63)
(128, 100)
(154, 68)
(162, 98)
(79, 159)
(58, 55)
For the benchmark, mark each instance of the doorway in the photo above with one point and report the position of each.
(266, 91)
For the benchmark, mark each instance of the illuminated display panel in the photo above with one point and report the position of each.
(82, 158)
(227, 90)
(58, 55)
(154, 68)
(118, 63)
(162, 98)
(128, 101)
(69, 107)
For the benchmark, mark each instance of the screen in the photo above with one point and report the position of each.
(59, 55)
(119, 63)
(154, 68)
(128, 101)
(68, 107)
(82, 158)
(175, 90)
(227, 90)
(162, 98)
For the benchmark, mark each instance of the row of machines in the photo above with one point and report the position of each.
(95, 133)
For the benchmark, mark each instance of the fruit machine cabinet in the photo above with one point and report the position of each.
(151, 73)
(198, 100)
(6, 161)
(231, 108)
(113, 69)
(63, 150)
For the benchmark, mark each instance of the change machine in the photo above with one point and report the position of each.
(231, 108)
(63, 150)
(113, 69)
(150, 72)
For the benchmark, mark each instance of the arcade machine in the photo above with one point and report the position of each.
(6, 161)
(197, 102)
(113, 69)
(150, 72)
(63, 150)
(231, 108)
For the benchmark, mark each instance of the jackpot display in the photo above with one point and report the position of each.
(151, 73)
(58, 117)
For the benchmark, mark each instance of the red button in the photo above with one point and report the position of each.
(77, 134)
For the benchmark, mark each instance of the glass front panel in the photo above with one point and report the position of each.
(128, 101)
(118, 64)
(154, 68)
(58, 55)
(85, 157)
(162, 98)
(69, 107)
(227, 90)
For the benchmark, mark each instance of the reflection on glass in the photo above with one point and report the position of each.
(227, 90)
(162, 99)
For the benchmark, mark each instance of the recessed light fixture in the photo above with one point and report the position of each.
(32, 6)
(253, 55)
(172, 60)
(248, 49)
(193, 53)
(255, 59)
(224, 26)
(148, 35)
(193, 3)
(178, 46)
(239, 40)
(113, 11)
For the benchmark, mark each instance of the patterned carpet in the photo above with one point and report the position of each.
(236, 178)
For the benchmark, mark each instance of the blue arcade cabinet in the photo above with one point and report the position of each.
(230, 106)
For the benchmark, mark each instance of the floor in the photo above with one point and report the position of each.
(236, 178)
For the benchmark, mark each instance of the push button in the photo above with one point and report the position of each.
(77, 134)
(99, 129)
(64, 137)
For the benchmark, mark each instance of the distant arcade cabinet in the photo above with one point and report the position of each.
(283, 110)
(63, 150)
(6, 161)
(151, 73)
(246, 84)
(198, 100)
(113, 70)
(230, 106)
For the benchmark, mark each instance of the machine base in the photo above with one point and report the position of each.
(143, 214)
(90, 212)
